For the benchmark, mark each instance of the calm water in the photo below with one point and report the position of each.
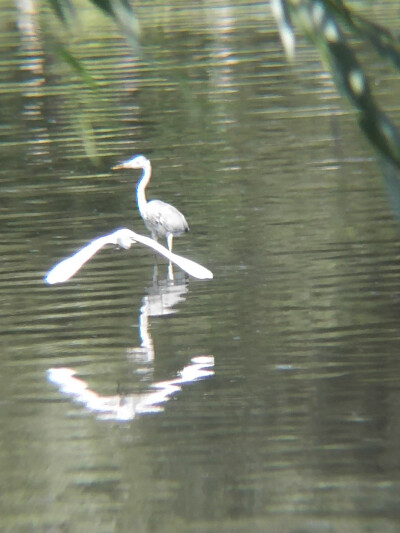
(264, 400)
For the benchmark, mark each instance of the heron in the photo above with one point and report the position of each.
(160, 218)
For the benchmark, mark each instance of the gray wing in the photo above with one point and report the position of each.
(163, 218)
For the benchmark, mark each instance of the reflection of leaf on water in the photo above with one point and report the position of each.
(323, 23)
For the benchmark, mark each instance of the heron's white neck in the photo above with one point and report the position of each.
(141, 186)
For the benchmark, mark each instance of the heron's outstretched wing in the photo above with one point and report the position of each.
(67, 268)
(189, 266)
(123, 237)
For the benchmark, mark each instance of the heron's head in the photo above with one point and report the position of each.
(138, 161)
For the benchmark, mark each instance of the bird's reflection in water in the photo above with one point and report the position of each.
(125, 408)
(162, 297)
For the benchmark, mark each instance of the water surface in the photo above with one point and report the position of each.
(293, 426)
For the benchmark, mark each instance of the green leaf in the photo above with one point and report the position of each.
(123, 15)
(76, 65)
(64, 9)
(322, 26)
(385, 43)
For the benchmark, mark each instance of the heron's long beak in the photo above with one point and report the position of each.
(117, 167)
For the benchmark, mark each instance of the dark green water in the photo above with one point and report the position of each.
(293, 427)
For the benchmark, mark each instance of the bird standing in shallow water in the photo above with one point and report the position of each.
(160, 218)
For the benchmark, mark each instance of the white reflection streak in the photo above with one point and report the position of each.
(123, 237)
(126, 408)
(159, 302)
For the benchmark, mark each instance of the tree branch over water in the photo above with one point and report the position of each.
(330, 25)
(324, 23)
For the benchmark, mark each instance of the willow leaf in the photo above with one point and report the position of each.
(321, 26)
(282, 17)
(64, 9)
(75, 64)
(124, 16)
(382, 39)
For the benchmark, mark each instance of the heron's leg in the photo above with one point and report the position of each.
(170, 267)
(155, 273)
(169, 241)
(154, 236)
(170, 272)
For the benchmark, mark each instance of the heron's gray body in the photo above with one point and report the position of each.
(160, 218)
(163, 219)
